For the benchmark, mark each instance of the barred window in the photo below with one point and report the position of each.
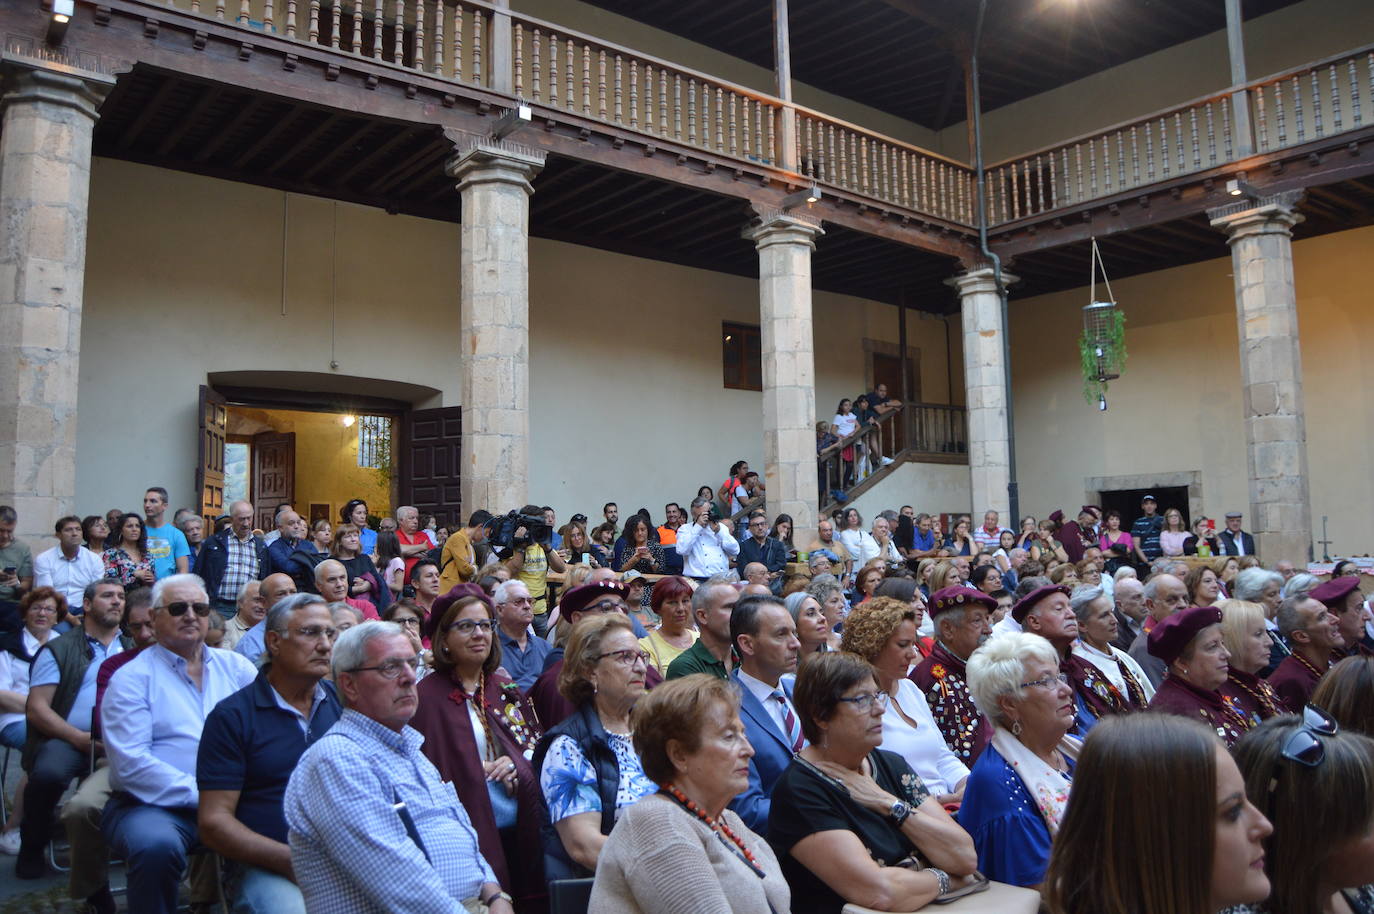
(374, 442)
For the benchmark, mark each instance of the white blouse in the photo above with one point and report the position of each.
(14, 675)
(922, 746)
(1107, 663)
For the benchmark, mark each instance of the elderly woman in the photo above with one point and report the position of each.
(1194, 653)
(480, 732)
(588, 768)
(1019, 787)
(865, 582)
(883, 633)
(1299, 584)
(1246, 637)
(829, 594)
(1316, 784)
(813, 632)
(1121, 849)
(845, 814)
(671, 601)
(1259, 585)
(689, 736)
(39, 610)
(1127, 687)
(1204, 588)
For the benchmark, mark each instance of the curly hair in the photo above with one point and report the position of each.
(871, 624)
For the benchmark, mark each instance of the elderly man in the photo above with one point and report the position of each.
(1310, 629)
(62, 691)
(825, 542)
(713, 603)
(819, 563)
(232, 558)
(414, 543)
(989, 535)
(290, 535)
(1046, 612)
(765, 636)
(458, 559)
(1164, 596)
(882, 535)
(331, 580)
(1286, 568)
(274, 588)
(705, 544)
(152, 717)
(1233, 540)
(522, 656)
(192, 526)
(372, 827)
(1130, 611)
(962, 622)
(68, 567)
(252, 742)
(251, 611)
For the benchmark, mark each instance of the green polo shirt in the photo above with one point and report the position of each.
(697, 659)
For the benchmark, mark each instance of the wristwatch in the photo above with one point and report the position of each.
(943, 877)
(899, 812)
(495, 895)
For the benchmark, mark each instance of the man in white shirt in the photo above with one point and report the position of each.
(705, 545)
(882, 537)
(68, 567)
(765, 637)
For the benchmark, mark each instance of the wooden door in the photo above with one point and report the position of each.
(214, 427)
(887, 369)
(431, 463)
(274, 475)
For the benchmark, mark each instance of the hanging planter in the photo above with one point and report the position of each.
(1102, 345)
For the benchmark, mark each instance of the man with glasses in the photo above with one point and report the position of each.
(252, 742)
(961, 615)
(765, 637)
(152, 717)
(522, 656)
(62, 690)
(275, 587)
(759, 547)
(372, 827)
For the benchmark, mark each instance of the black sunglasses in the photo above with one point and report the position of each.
(1303, 746)
(180, 606)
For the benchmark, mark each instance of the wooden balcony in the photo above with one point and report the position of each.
(915, 433)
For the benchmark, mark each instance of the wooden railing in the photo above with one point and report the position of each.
(911, 432)
(936, 428)
(1308, 103)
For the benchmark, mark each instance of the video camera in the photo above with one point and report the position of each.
(516, 531)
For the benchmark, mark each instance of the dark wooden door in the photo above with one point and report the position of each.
(214, 427)
(887, 369)
(274, 475)
(431, 464)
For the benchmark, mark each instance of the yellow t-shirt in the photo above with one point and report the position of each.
(661, 653)
(534, 575)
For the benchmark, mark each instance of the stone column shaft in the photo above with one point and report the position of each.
(785, 242)
(45, 175)
(985, 379)
(1261, 240)
(494, 180)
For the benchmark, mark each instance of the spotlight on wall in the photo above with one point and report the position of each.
(511, 121)
(1102, 402)
(802, 197)
(348, 420)
(1239, 187)
(62, 13)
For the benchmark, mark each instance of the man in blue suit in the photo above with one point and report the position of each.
(765, 637)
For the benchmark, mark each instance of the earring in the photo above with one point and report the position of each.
(1016, 728)
(1183, 670)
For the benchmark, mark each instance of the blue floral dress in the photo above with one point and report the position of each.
(568, 780)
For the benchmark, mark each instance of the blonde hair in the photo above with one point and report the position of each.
(871, 624)
(1238, 621)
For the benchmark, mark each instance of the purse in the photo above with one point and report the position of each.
(994, 898)
(503, 806)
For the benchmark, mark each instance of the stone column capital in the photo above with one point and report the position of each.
(479, 160)
(30, 84)
(775, 226)
(1272, 215)
(980, 280)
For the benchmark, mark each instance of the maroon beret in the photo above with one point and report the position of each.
(1169, 638)
(1027, 603)
(1057, 516)
(1334, 591)
(584, 595)
(958, 597)
(444, 601)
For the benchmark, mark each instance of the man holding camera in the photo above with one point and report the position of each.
(532, 555)
(705, 544)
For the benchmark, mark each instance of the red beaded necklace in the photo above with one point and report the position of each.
(716, 825)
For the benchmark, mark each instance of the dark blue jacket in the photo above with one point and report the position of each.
(772, 555)
(214, 558)
(584, 728)
(772, 755)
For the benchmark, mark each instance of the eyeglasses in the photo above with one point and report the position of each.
(408, 623)
(864, 703)
(314, 633)
(626, 657)
(1049, 682)
(180, 606)
(606, 606)
(43, 608)
(391, 669)
(467, 626)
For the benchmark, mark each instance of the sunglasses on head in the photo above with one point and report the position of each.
(1303, 746)
(180, 606)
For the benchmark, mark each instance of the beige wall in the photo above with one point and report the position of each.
(934, 488)
(1178, 406)
(626, 396)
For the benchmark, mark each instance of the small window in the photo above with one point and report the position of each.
(374, 442)
(741, 356)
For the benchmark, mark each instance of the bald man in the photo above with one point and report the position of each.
(275, 587)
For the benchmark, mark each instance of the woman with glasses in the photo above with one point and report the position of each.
(479, 732)
(126, 556)
(411, 618)
(1194, 652)
(847, 818)
(587, 765)
(1019, 787)
(1316, 785)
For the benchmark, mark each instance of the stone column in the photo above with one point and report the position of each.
(45, 176)
(1261, 239)
(985, 380)
(785, 242)
(494, 180)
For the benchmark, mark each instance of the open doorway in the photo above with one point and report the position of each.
(1127, 502)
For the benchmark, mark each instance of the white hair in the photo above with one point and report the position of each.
(1299, 584)
(1124, 572)
(998, 668)
(1083, 598)
(178, 580)
(501, 593)
(350, 651)
(1251, 583)
(406, 509)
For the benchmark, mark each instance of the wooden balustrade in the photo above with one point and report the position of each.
(930, 431)
(936, 428)
(1325, 98)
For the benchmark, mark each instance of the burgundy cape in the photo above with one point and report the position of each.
(1252, 696)
(1096, 690)
(1295, 680)
(550, 704)
(944, 680)
(1178, 697)
(442, 717)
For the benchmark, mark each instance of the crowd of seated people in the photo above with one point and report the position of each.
(693, 715)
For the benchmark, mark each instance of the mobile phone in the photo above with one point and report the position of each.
(11, 570)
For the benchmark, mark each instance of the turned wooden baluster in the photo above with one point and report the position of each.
(692, 111)
(677, 106)
(586, 81)
(537, 66)
(601, 84)
(357, 45)
(1317, 105)
(245, 14)
(418, 47)
(662, 103)
(1178, 137)
(619, 91)
(457, 40)
(832, 167)
(849, 152)
(1356, 112)
(1211, 137)
(1335, 100)
(1278, 114)
(1297, 109)
(1261, 117)
(479, 72)
(570, 72)
(734, 131)
(267, 17)
(771, 115)
(863, 166)
(1064, 181)
(1078, 168)
(437, 64)
(219, 14)
(1149, 153)
(1015, 192)
(290, 17)
(1226, 130)
(335, 20)
(1164, 145)
(377, 22)
(518, 61)
(720, 119)
(634, 93)
(312, 27)
(1120, 161)
(1192, 129)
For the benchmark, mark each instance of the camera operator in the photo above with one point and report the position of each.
(705, 544)
(532, 555)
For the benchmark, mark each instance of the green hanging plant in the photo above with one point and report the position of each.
(1102, 350)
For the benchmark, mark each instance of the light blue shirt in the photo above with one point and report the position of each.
(349, 846)
(44, 672)
(253, 642)
(153, 752)
(166, 544)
